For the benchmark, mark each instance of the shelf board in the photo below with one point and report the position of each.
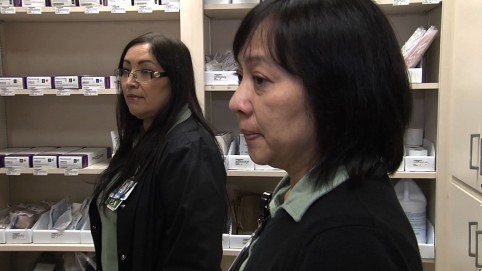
(238, 11)
(72, 92)
(79, 14)
(92, 170)
(90, 248)
(232, 88)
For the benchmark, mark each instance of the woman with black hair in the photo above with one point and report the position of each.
(161, 203)
(324, 95)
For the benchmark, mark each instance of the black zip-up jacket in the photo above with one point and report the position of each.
(173, 220)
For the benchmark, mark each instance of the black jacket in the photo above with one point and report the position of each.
(356, 226)
(175, 219)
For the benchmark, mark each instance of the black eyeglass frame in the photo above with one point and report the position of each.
(154, 74)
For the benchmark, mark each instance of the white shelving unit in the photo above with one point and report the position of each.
(79, 43)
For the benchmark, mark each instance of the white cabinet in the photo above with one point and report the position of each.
(465, 250)
(461, 78)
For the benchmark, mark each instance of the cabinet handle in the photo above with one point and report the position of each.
(472, 136)
(471, 225)
(477, 263)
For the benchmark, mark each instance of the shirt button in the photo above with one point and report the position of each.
(94, 227)
(123, 257)
(123, 205)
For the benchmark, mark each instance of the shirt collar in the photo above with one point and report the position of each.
(303, 194)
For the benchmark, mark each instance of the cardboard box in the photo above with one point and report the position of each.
(83, 158)
(238, 241)
(422, 163)
(13, 83)
(24, 158)
(415, 75)
(234, 161)
(63, 82)
(220, 78)
(50, 158)
(41, 235)
(8, 151)
(37, 82)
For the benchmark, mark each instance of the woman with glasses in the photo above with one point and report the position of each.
(324, 95)
(161, 203)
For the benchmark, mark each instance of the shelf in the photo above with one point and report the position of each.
(232, 88)
(94, 169)
(79, 14)
(72, 92)
(238, 11)
(90, 248)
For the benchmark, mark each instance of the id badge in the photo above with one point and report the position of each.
(120, 194)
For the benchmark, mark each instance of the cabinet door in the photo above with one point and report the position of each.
(466, 88)
(465, 218)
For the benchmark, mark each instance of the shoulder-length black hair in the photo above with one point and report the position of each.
(355, 80)
(137, 148)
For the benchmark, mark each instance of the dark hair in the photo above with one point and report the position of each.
(356, 85)
(137, 149)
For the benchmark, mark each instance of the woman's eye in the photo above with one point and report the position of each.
(259, 80)
(146, 72)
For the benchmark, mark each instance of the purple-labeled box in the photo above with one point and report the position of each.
(84, 157)
(36, 82)
(8, 151)
(50, 158)
(10, 3)
(67, 82)
(24, 158)
(95, 82)
(16, 82)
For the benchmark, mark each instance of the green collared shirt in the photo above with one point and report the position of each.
(109, 218)
(301, 197)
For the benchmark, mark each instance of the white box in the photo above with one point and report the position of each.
(24, 158)
(238, 241)
(3, 213)
(50, 158)
(9, 151)
(41, 235)
(62, 3)
(224, 141)
(33, 3)
(233, 161)
(85, 234)
(265, 167)
(220, 78)
(427, 251)
(67, 82)
(117, 2)
(84, 3)
(243, 146)
(94, 82)
(225, 240)
(415, 75)
(12, 83)
(39, 82)
(245, 1)
(18, 236)
(422, 163)
(83, 158)
(217, 1)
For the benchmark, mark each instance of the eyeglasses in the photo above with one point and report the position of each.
(139, 75)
